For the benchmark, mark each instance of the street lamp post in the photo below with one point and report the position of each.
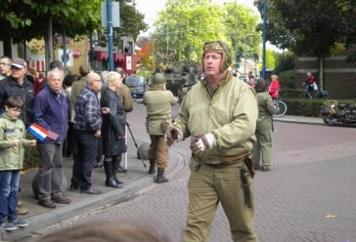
(264, 39)
(110, 34)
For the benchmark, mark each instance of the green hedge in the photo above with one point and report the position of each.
(309, 107)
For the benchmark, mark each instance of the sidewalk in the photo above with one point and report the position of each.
(38, 217)
(299, 119)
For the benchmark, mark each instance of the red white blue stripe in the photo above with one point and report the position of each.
(38, 132)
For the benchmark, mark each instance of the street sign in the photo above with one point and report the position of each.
(115, 14)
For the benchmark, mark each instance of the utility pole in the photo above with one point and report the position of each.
(64, 53)
(264, 39)
(236, 44)
(110, 34)
(167, 42)
(49, 44)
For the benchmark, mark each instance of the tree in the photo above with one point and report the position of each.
(182, 28)
(185, 25)
(145, 53)
(240, 23)
(131, 19)
(310, 28)
(25, 19)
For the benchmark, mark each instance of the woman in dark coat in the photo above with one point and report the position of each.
(113, 128)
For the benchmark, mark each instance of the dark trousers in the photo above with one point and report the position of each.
(51, 179)
(9, 187)
(84, 159)
(69, 143)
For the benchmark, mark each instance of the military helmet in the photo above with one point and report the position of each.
(158, 78)
(220, 47)
(261, 85)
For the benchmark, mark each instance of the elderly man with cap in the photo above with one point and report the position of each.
(220, 114)
(158, 101)
(18, 85)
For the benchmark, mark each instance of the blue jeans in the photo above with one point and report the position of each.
(9, 187)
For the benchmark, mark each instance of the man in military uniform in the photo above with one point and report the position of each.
(158, 101)
(219, 113)
(262, 151)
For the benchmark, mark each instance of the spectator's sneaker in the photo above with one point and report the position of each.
(9, 227)
(20, 223)
(21, 211)
(19, 203)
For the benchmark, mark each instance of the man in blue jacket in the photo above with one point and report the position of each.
(51, 112)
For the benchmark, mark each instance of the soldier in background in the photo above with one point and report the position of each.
(262, 150)
(126, 99)
(158, 102)
(124, 92)
(220, 114)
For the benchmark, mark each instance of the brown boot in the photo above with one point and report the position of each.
(160, 176)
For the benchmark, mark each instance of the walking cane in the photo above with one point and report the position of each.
(134, 140)
(125, 155)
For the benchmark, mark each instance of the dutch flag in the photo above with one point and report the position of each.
(41, 133)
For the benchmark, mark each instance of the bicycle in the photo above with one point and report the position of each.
(280, 107)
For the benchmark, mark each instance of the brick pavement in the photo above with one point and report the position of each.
(309, 196)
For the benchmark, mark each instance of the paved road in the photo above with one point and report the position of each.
(310, 195)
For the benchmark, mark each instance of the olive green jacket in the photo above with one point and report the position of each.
(265, 106)
(11, 157)
(159, 110)
(230, 114)
(126, 99)
(77, 87)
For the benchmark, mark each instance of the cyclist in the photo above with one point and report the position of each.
(274, 86)
(310, 86)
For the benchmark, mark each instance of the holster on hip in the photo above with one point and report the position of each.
(246, 187)
(250, 165)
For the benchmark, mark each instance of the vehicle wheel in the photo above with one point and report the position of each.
(281, 108)
(329, 121)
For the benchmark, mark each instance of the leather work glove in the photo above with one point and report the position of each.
(173, 135)
(200, 143)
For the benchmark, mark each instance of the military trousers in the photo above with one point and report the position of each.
(262, 150)
(208, 186)
(158, 151)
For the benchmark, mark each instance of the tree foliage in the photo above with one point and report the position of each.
(26, 19)
(185, 25)
(310, 27)
(241, 25)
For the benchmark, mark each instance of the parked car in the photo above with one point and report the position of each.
(137, 85)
